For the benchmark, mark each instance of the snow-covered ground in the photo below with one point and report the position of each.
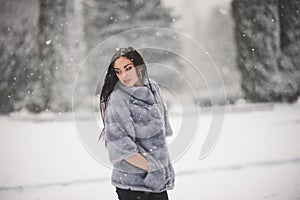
(257, 157)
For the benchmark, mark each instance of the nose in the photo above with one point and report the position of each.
(124, 74)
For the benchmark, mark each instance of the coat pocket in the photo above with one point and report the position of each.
(155, 180)
(156, 175)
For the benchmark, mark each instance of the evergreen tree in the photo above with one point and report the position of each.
(50, 39)
(260, 58)
(289, 63)
(60, 52)
(61, 49)
(17, 63)
(44, 57)
(71, 55)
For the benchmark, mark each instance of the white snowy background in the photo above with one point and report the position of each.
(257, 156)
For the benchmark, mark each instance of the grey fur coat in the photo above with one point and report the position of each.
(137, 121)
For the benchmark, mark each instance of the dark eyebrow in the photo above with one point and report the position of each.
(123, 67)
(127, 65)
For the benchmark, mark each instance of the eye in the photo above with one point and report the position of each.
(129, 68)
(117, 71)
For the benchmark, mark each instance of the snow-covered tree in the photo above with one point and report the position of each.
(260, 59)
(60, 52)
(39, 60)
(17, 63)
(71, 50)
(289, 63)
(50, 40)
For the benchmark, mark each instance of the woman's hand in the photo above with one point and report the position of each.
(138, 160)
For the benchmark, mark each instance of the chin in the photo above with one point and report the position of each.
(130, 84)
(127, 84)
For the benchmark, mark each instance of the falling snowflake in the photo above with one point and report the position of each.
(48, 42)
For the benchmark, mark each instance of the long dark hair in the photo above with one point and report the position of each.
(111, 78)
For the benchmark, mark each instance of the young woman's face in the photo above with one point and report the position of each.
(126, 72)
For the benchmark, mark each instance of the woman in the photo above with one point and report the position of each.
(136, 124)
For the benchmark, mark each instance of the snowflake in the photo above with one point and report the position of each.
(48, 42)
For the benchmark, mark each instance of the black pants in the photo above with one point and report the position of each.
(140, 195)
